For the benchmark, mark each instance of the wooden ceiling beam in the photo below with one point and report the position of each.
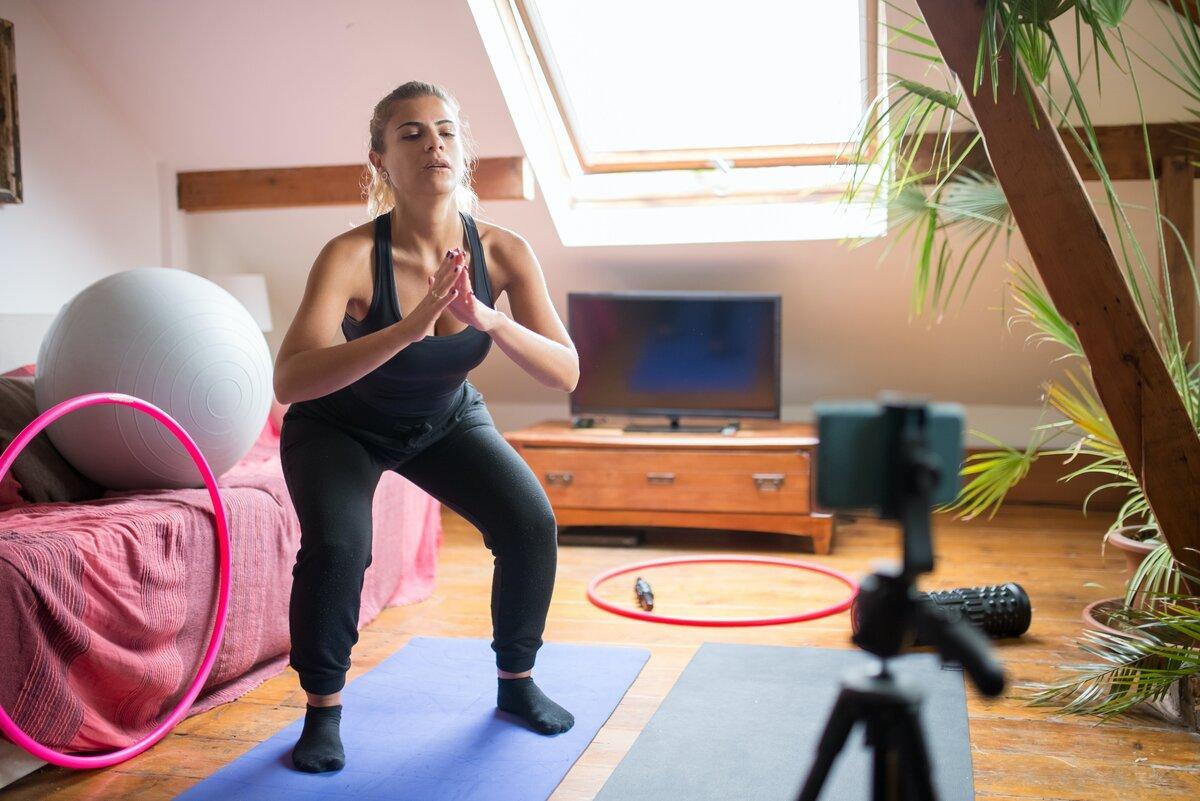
(1177, 204)
(503, 178)
(1122, 150)
(1084, 280)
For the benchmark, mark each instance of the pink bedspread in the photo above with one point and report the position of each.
(106, 606)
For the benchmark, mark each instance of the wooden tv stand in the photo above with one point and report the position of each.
(757, 479)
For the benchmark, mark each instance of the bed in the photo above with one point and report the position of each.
(106, 605)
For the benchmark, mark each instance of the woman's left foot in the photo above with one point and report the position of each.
(525, 699)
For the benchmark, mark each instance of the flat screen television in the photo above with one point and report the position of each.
(683, 353)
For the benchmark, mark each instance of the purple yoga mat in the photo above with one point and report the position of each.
(424, 725)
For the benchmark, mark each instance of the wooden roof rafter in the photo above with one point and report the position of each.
(1084, 280)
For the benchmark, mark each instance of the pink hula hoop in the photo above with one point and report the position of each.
(827, 611)
(10, 728)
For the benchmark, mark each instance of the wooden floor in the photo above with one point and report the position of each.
(1018, 752)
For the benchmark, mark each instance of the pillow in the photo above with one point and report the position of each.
(42, 472)
(10, 490)
(23, 370)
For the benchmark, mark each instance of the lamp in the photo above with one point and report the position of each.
(250, 289)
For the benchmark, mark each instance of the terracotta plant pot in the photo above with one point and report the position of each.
(1096, 614)
(1132, 549)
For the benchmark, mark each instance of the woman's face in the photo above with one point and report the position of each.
(421, 136)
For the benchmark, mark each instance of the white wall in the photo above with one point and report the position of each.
(91, 194)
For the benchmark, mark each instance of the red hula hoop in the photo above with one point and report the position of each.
(813, 614)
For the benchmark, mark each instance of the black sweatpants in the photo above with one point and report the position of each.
(335, 449)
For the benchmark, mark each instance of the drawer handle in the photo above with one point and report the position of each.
(560, 478)
(660, 478)
(768, 482)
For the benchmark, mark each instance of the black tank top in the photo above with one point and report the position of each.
(427, 376)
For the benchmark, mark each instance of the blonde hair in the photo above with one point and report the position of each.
(379, 194)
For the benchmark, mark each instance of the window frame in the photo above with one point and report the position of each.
(674, 207)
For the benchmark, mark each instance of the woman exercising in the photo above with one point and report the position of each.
(394, 396)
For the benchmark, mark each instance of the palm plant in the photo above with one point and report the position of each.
(1157, 648)
(912, 137)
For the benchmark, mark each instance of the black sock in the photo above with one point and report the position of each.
(320, 745)
(525, 699)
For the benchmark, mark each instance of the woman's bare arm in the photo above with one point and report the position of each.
(534, 337)
(308, 366)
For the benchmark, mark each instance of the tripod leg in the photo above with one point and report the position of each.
(885, 765)
(837, 729)
(914, 756)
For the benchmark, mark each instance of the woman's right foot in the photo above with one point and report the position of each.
(319, 748)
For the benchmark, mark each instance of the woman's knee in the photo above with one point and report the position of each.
(534, 525)
(336, 549)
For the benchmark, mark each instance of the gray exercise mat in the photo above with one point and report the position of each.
(743, 722)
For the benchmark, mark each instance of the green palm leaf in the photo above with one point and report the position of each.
(1035, 307)
(1159, 647)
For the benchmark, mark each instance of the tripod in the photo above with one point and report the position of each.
(889, 610)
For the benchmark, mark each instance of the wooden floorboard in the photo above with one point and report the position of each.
(1018, 752)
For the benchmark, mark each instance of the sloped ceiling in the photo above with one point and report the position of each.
(229, 84)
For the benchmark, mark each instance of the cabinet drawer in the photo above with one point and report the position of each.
(675, 480)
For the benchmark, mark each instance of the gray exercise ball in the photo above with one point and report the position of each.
(169, 337)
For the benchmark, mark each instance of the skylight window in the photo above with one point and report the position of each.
(633, 111)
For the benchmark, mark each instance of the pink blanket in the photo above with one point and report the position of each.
(106, 607)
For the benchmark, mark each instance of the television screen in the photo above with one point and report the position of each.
(708, 354)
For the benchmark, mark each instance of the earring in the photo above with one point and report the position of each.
(384, 175)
